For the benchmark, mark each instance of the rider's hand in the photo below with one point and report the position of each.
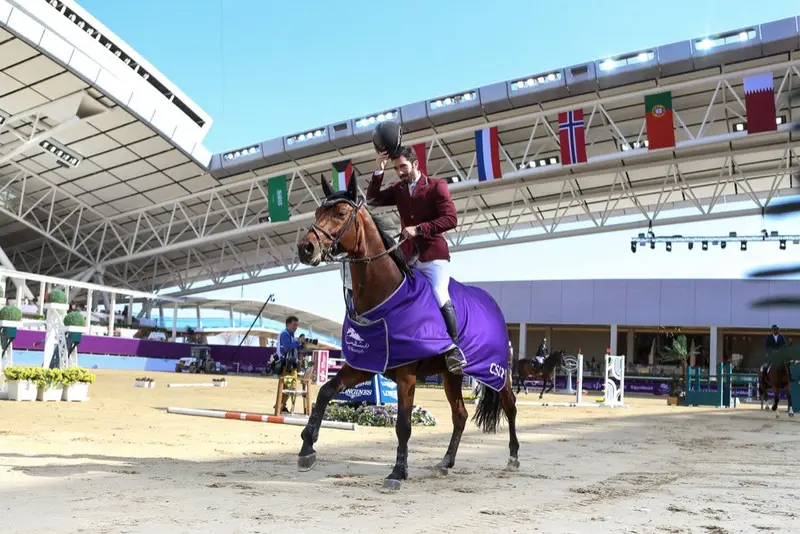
(381, 160)
(409, 232)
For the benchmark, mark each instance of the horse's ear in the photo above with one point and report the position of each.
(327, 190)
(352, 188)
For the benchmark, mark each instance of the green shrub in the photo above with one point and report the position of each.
(49, 377)
(57, 296)
(73, 375)
(369, 415)
(10, 313)
(23, 373)
(74, 318)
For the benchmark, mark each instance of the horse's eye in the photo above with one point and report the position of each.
(342, 214)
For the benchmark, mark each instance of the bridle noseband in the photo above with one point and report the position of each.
(328, 252)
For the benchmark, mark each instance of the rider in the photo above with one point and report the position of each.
(426, 212)
(775, 341)
(541, 352)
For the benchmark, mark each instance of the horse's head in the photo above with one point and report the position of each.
(337, 227)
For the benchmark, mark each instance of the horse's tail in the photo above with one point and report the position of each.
(487, 414)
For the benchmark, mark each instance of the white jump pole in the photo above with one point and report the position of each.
(259, 418)
(197, 385)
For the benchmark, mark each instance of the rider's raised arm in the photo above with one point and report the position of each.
(377, 196)
(446, 214)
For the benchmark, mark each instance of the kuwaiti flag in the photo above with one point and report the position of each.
(487, 147)
(342, 173)
(759, 100)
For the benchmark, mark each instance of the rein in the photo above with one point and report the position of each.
(328, 251)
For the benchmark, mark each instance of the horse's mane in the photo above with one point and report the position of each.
(385, 227)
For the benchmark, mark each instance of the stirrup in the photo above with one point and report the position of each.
(455, 361)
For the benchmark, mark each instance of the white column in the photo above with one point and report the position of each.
(523, 341)
(161, 322)
(174, 321)
(20, 285)
(231, 315)
(111, 315)
(89, 294)
(713, 351)
(613, 342)
(199, 322)
(42, 291)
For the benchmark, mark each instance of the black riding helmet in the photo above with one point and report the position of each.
(387, 137)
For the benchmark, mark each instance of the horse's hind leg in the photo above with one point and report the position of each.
(552, 383)
(776, 392)
(509, 403)
(544, 385)
(452, 388)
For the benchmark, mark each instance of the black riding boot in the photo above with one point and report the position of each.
(454, 358)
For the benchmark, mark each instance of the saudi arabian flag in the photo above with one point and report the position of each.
(342, 172)
(278, 198)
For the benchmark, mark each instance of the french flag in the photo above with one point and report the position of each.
(487, 147)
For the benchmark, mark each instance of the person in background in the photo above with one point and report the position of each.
(541, 352)
(775, 341)
(288, 354)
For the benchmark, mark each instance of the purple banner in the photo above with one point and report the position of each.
(250, 359)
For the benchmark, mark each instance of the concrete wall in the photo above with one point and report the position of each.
(702, 303)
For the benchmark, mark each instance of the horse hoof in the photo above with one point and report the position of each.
(439, 470)
(513, 464)
(791, 414)
(391, 485)
(307, 463)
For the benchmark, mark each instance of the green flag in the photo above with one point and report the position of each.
(278, 197)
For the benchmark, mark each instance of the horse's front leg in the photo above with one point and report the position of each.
(552, 383)
(776, 392)
(544, 385)
(452, 389)
(406, 380)
(347, 377)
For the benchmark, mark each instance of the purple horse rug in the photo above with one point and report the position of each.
(408, 326)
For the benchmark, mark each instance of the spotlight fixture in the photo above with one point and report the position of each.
(64, 156)
(704, 245)
(633, 247)
(669, 246)
(743, 246)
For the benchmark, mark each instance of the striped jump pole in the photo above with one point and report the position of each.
(259, 418)
(196, 385)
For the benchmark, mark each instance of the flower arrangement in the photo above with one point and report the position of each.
(77, 375)
(371, 415)
(23, 373)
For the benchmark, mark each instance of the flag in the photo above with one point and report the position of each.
(571, 136)
(487, 147)
(658, 116)
(422, 158)
(278, 199)
(759, 99)
(342, 173)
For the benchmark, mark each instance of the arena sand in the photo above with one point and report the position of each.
(120, 463)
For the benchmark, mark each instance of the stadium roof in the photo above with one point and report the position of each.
(141, 210)
(274, 312)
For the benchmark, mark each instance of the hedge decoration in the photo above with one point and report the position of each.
(10, 313)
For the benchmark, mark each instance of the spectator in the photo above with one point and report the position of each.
(287, 354)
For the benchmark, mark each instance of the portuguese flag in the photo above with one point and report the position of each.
(660, 127)
(342, 173)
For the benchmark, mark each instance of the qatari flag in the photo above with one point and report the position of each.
(759, 99)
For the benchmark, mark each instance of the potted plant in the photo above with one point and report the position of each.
(50, 385)
(22, 382)
(678, 352)
(10, 317)
(144, 382)
(56, 300)
(675, 390)
(76, 382)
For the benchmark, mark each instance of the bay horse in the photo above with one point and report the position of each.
(529, 367)
(777, 377)
(345, 231)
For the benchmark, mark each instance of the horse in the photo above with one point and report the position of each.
(345, 231)
(525, 368)
(777, 377)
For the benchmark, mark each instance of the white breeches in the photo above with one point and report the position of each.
(438, 274)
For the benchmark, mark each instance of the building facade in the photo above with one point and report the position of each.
(632, 317)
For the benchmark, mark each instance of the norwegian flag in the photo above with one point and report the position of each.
(571, 135)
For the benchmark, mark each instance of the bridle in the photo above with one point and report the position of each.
(328, 252)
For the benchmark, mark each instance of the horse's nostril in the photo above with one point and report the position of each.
(308, 248)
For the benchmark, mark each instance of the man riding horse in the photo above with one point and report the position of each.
(426, 212)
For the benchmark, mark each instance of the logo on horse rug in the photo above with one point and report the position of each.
(408, 326)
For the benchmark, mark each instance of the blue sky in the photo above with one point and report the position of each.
(264, 68)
